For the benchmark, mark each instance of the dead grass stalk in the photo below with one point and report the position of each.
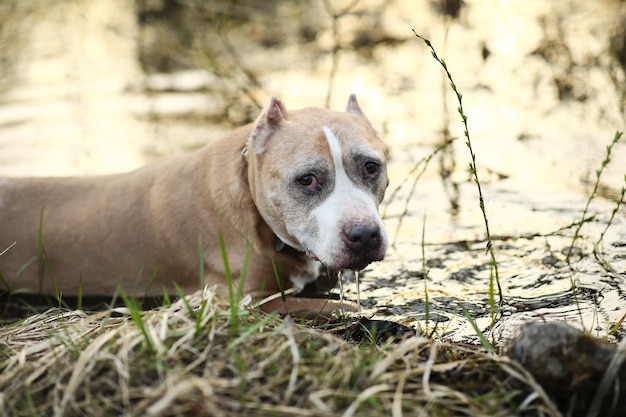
(70, 363)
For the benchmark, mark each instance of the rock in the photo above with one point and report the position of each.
(583, 374)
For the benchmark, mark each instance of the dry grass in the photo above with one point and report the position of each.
(69, 363)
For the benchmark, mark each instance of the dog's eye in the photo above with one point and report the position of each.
(370, 168)
(309, 181)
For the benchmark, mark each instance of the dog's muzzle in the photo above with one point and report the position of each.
(362, 238)
(364, 245)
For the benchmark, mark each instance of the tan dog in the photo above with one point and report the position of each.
(292, 188)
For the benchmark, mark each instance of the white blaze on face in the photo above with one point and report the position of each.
(347, 203)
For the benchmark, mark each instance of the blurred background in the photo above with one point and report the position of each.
(99, 86)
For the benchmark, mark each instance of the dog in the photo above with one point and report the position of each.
(276, 197)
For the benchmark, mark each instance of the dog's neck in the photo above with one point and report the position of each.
(279, 244)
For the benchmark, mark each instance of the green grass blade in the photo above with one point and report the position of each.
(167, 302)
(183, 297)
(233, 302)
(26, 265)
(481, 336)
(244, 272)
(44, 263)
(40, 253)
(153, 277)
(135, 314)
(5, 283)
(201, 260)
(251, 330)
(79, 295)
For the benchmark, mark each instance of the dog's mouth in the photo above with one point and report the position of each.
(356, 262)
(359, 245)
(313, 256)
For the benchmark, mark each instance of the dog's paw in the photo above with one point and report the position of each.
(308, 307)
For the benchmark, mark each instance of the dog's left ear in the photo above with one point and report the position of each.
(353, 106)
(267, 123)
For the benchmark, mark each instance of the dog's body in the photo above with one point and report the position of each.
(283, 192)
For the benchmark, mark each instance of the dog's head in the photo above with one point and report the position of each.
(317, 178)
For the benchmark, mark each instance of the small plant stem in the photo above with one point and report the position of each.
(619, 202)
(606, 161)
(201, 260)
(472, 164)
(479, 333)
(339, 278)
(416, 178)
(358, 292)
(234, 303)
(425, 274)
(597, 252)
(135, 314)
(335, 16)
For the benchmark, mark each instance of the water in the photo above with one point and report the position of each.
(341, 292)
(358, 292)
(340, 278)
(542, 86)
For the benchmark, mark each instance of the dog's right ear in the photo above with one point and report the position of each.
(353, 106)
(266, 124)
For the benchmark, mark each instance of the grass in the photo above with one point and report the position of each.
(234, 291)
(483, 340)
(592, 195)
(100, 365)
(134, 310)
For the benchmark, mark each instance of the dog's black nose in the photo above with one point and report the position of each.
(362, 237)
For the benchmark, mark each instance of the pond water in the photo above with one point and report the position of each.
(100, 86)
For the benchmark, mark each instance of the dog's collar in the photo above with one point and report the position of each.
(279, 245)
